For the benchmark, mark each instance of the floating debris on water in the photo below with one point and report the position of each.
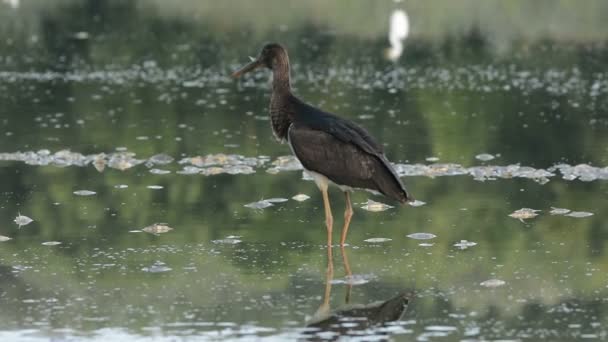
(84, 193)
(259, 204)
(82, 35)
(559, 211)
(276, 200)
(223, 160)
(285, 163)
(159, 171)
(464, 244)
(300, 197)
(422, 236)
(51, 243)
(377, 240)
(582, 172)
(190, 170)
(579, 214)
(442, 328)
(155, 187)
(492, 283)
(121, 186)
(375, 206)
(157, 228)
(426, 244)
(480, 173)
(157, 267)
(416, 203)
(524, 213)
(4, 238)
(230, 240)
(214, 164)
(22, 220)
(123, 160)
(160, 159)
(484, 157)
(99, 162)
(432, 159)
(355, 279)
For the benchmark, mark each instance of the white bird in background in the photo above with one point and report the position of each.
(398, 31)
(13, 3)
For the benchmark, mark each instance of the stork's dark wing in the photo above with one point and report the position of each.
(345, 130)
(345, 161)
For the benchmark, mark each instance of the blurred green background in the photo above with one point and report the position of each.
(523, 80)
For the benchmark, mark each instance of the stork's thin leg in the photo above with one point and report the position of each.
(348, 214)
(323, 310)
(329, 276)
(329, 220)
(349, 275)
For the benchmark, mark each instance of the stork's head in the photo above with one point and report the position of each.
(272, 56)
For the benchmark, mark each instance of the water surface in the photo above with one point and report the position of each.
(132, 101)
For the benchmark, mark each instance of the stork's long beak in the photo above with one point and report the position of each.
(255, 63)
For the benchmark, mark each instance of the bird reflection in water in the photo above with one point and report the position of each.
(352, 320)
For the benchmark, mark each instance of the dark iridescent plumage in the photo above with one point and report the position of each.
(334, 149)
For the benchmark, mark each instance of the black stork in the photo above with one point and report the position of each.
(331, 149)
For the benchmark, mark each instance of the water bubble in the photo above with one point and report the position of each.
(377, 240)
(159, 171)
(464, 244)
(559, 211)
(492, 283)
(161, 159)
(524, 213)
(484, 157)
(422, 236)
(157, 228)
(276, 200)
(157, 267)
(440, 328)
(579, 214)
(355, 279)
(375, 206)
(51, 243)
(259, 205)
(300, 197)
(82, 35)
(84, 193)
(23, 220)
(416, 203)
(227, 241)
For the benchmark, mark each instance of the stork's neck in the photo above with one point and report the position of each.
(281, 84)
(281, 112)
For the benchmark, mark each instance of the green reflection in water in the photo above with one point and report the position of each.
(154, 81)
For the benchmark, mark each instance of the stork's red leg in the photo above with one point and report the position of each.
(348, 214)
(329, 220)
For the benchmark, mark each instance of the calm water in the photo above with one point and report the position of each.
(116, 83)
